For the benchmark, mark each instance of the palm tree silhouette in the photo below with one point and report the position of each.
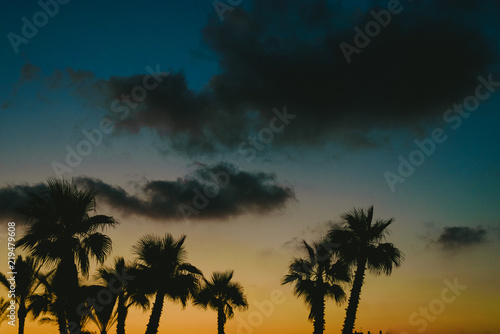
(61, 232)
(163, 272)
(129, 295)
(48, 304)
(221, 295)
(26, 284)
(362, 246)
(102, 315)
(315, 278)
(4, 304)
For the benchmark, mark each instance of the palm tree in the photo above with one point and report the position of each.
(103, 316)
(362, 247)
(129, 294)
(4, 304)
(47, 304)
(62, 232)
(50, 307)
(163, 272)
(315, 278)
(26, 284)
(221, 295)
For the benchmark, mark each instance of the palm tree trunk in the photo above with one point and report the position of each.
(221, 320)
(352, 307)
(21, 314)
(61, 322)
(122, 314)
(66, 281)
(63, 329)
(154, 319)
(319, 316)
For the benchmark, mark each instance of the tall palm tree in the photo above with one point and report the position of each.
(223, 296)
(163, 272)
(362, 246)
(129, 294)
(26, 284)
(315, 278)
(61, 231)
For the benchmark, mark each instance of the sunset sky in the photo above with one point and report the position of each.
(309, 108)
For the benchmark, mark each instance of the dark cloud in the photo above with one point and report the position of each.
(11, 197)
(461, 236)
(466, 5)
(210, 192)
(284, 53)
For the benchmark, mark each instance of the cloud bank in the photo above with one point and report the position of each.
(417, 67)
(219, 191)
(280, 53)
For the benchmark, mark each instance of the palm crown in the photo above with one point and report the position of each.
(162, 271)
(129, 294)
(221, 295)
(316, 277)
(60, 227)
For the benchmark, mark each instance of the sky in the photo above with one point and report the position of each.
(249, 125)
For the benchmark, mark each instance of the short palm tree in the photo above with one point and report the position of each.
(129, 294)
(362, 246)
(26, 284)
(163, 272)
(223, 296)
(316, 278)
(61, 231)
(4, 304)
(102, 316)
(47, 305)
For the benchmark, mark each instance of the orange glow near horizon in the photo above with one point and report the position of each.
(386, 304)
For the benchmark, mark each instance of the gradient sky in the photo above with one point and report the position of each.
(354, 121)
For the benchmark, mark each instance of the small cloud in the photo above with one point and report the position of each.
(266, 252)
(293, 244)
(457, 237)
(314, 232)
(29, 72)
